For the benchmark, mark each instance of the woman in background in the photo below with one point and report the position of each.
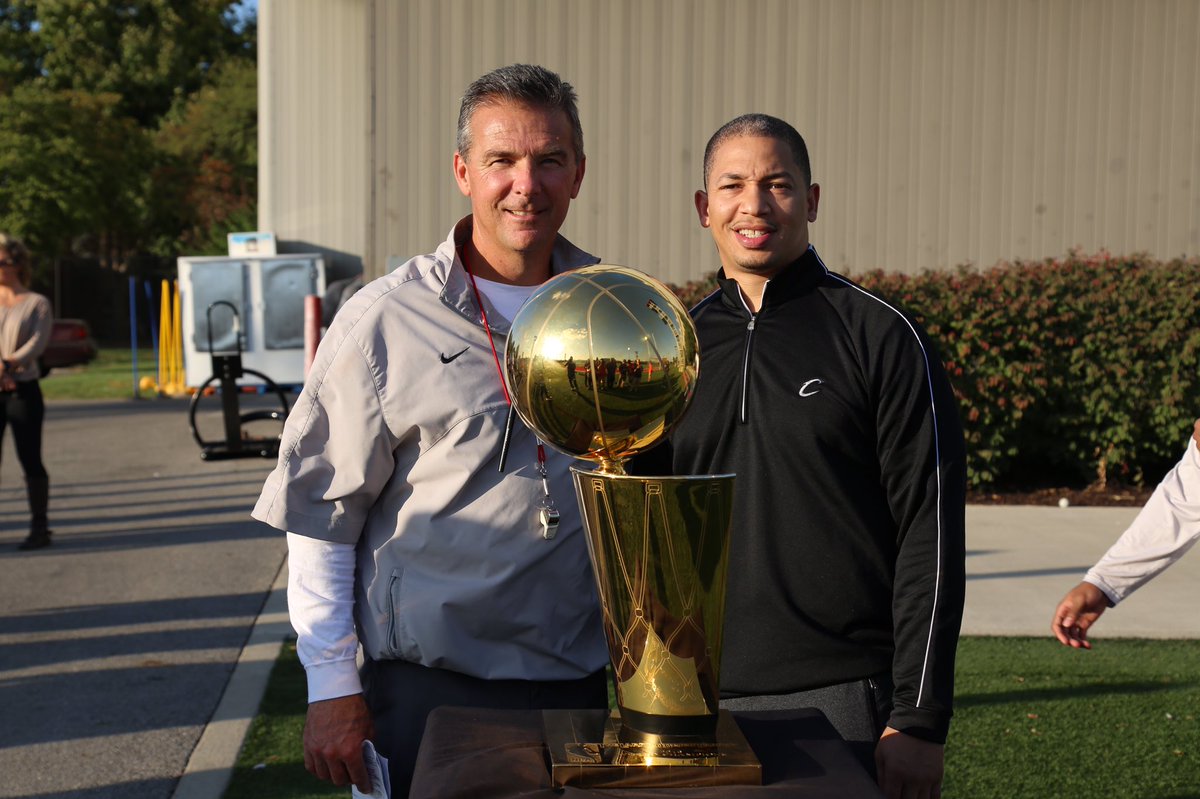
(25, 321)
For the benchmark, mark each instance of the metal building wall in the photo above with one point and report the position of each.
(314, 127)
(942, 131)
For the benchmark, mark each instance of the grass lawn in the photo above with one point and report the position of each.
(1033, 719)
(1037, 719)
(109, 376)
(271, 762)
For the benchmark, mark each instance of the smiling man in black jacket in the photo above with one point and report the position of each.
(846, 574)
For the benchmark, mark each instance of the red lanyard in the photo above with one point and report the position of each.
(504, 386)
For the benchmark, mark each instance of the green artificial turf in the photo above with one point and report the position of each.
(1036, 719)
(1033, 719)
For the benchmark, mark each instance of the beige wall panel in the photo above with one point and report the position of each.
(942, 131)
(314, 127)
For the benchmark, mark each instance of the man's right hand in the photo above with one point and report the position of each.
(334, 732)
(1077, 612)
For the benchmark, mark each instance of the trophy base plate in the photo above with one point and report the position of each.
(587, 750)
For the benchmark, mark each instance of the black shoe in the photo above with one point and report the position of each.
(36, 540)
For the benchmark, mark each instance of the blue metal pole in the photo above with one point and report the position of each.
(133, 342)
(146, 284)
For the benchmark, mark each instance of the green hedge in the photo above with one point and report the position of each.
(1067, 371)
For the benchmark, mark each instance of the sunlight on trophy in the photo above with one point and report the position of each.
(602, 363)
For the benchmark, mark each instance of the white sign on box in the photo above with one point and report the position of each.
(248, 245)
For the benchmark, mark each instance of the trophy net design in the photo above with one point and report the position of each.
(602, 363)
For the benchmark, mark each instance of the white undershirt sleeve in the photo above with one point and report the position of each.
(1167, 527)
(321, 607)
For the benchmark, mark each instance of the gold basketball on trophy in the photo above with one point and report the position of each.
(602, 362)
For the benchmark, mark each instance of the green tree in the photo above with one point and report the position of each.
(153, 54)
(72, 172)
(20, 48)
(210, 168)
(126, 126)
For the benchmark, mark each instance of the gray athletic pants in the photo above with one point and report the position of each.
(858, 710)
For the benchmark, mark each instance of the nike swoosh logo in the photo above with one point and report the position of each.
(449, 358)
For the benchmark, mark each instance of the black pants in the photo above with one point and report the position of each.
(400, 696)
(23, 410)
(858, 710)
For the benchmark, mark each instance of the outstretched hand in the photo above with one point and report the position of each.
(1076, 613)
(334, 731)
(908, 767)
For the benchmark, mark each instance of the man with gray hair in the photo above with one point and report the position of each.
(450, 552)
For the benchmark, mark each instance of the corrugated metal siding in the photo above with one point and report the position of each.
(314, 127)
(942, 131)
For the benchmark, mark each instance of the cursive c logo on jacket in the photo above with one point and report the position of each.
(805, 389)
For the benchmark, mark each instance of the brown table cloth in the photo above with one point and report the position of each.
(473, 753)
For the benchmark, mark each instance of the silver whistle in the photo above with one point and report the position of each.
(549, 519)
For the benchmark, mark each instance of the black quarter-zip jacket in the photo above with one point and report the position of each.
(848, 535)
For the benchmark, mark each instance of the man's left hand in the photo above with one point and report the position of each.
(908, 767)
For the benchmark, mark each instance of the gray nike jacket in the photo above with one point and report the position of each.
(393, 446)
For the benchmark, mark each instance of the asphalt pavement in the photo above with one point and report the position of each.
(118, 642)
(134, 651)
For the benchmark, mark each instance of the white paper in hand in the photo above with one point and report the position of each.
(377, 770)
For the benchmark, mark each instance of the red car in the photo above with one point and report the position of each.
(71, 344)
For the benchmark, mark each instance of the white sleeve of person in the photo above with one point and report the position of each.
(1166, 528)
(321, 607)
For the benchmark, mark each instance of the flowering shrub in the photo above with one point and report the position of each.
(1066, 370)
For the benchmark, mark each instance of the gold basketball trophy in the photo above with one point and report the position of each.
(602, 362)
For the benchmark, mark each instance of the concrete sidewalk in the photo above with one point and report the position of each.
(134, 652)
(1021, 560)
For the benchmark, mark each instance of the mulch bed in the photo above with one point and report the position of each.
(1094, 496)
